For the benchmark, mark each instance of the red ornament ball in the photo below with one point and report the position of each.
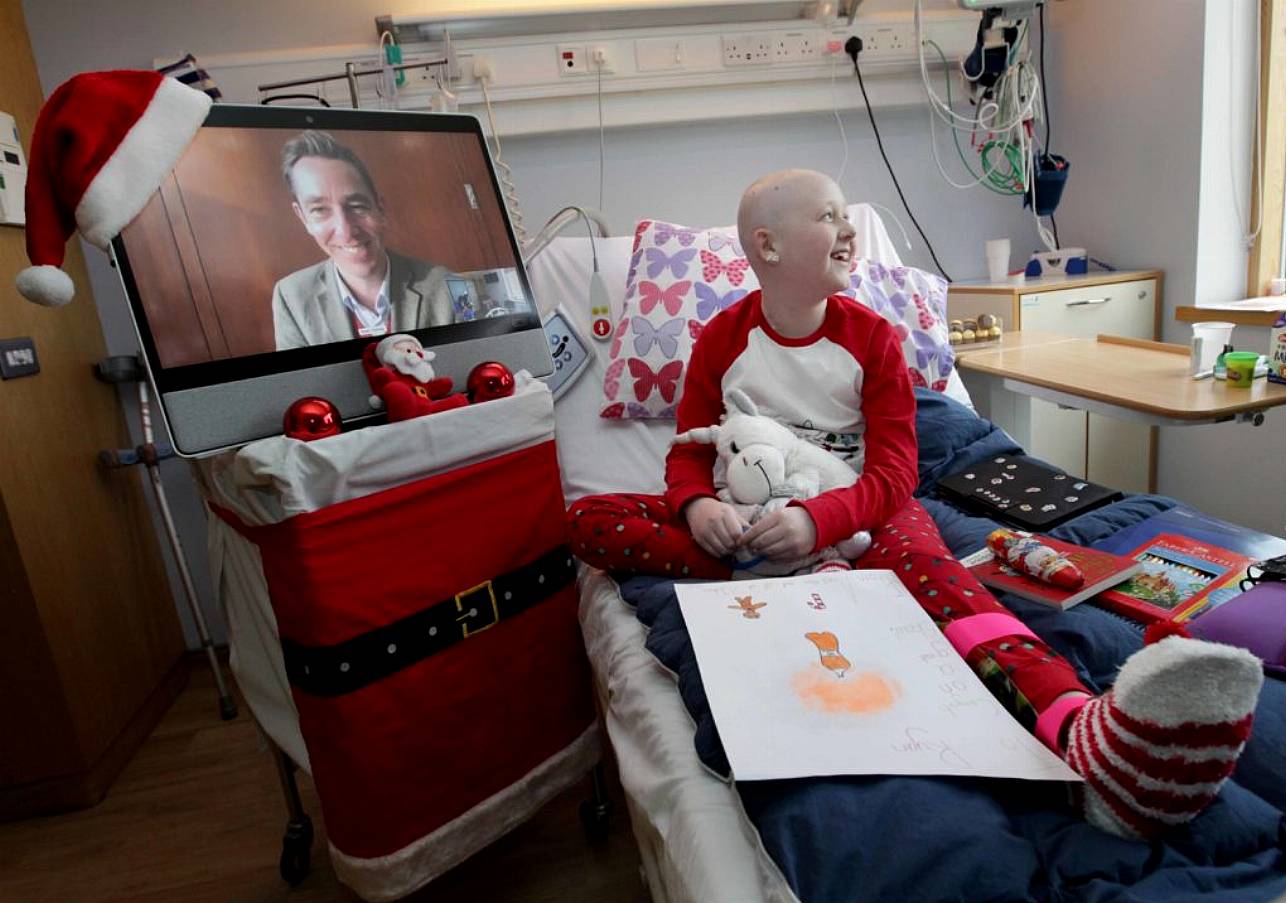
(490, 380)
(311, 418)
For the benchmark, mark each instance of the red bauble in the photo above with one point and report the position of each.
(311, 418)
(490, 380)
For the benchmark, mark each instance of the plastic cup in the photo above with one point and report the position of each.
(1208, 340)
(998, 259)
(1241, 368)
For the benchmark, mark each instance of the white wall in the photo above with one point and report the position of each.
(1154, 118)
(691, 174)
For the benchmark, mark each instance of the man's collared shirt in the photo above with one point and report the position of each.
(369, 322)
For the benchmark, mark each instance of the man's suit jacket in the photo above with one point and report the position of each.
(308, 309)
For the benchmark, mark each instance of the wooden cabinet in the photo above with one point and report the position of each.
(91, 653)
(1112, 452)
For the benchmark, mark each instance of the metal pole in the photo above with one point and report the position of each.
(350, 71)
(227, 705)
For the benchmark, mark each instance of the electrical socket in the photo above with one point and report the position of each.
(600, 59)
(482, 70)
(888, 41)
(572, 60)
(796, 47)
(747, 49)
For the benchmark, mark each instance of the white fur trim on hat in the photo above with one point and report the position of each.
(46, 285)
(147, 153)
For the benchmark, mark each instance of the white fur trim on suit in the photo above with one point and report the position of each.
(46, 285)
(144, 157)
(392, 877)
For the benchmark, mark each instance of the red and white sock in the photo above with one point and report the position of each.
(1155, 749)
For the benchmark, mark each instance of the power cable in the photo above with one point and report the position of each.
(853, 47)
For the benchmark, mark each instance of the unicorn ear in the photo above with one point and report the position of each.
(738, 399)
(702, 435)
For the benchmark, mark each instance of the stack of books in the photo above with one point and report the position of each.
(1175, 566)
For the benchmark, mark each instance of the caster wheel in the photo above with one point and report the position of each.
(297, 851)
(596, 819)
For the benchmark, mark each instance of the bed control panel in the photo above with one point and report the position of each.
(567, 348)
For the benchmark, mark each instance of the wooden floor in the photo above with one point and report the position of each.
(197, 817)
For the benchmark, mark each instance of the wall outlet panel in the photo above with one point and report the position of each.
(653, 75)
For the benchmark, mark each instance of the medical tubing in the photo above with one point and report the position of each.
(504, 173)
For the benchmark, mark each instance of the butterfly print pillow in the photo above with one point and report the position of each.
(915, 302)
(679, 279)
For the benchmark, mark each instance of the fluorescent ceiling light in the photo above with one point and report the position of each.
(533, 17)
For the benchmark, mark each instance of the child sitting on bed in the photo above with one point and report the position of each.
(1153, 750)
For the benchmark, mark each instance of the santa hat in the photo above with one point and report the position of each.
(103, 143)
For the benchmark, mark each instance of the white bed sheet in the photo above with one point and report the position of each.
(696, 842)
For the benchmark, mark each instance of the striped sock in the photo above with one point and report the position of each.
(1155, 749)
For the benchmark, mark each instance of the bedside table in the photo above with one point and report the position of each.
(1124, 302)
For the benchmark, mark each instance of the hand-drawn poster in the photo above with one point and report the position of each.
(829, 674)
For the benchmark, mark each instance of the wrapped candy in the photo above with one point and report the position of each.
(1028, 555)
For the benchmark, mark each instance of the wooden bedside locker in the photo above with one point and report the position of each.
(1124, 302)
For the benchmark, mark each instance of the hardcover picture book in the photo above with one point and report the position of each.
(1224, 541)
(1102, 570)
(1180, 576)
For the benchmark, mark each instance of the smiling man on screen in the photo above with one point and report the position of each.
(362, 289)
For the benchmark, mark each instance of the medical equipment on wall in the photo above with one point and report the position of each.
(351, 74)
(13, 174)
(1005, 88)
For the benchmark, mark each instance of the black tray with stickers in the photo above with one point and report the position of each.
(1021, 491)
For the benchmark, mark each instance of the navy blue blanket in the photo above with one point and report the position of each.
(925, 839)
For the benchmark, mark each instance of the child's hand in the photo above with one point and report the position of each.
(715, 525)
(783, 535)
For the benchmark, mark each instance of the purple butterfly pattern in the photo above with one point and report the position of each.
(719, 241)
(710, 302)
(658, 262)
(914, 303)
(665, 231)
(665, 336)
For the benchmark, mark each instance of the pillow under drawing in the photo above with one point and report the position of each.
(915, 302)
(679, 278)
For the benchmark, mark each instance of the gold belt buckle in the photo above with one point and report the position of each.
(484, 586)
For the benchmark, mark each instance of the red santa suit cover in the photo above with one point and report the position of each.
(426, 605)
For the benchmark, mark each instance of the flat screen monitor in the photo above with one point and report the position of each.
(287, 240)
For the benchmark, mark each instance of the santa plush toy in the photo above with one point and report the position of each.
(401, 376)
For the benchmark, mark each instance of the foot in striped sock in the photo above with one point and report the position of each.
(1155, 749)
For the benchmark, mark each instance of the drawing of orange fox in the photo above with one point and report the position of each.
(747, 606)
(828, 649)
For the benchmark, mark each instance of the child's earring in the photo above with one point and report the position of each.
(771, 256)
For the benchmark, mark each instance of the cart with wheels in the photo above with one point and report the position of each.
(401, 604)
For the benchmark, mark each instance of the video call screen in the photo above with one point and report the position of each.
(268, 239)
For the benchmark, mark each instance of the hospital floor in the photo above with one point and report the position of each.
(197, 816)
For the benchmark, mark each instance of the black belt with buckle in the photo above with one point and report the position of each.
(351, 665)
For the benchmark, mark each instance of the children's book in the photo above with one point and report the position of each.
(1179, 577)
(1214, 561)
(1102, 570)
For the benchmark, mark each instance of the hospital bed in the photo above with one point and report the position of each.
(704, 838)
